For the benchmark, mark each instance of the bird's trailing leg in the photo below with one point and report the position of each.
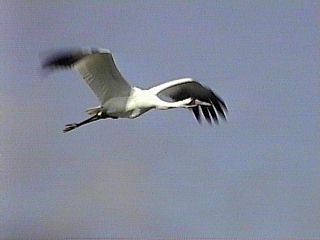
(72, 126)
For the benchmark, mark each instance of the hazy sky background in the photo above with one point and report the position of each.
(163, 175)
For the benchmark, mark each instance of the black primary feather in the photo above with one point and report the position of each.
(68, 58)
(195, 90)
(206, 113)
(63, 59)
(196, 113)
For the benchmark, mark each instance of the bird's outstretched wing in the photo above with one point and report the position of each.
(181, 89)
(97, 68)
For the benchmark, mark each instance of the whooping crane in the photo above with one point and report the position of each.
(120, 100)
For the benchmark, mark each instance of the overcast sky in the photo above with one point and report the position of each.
(163, 174)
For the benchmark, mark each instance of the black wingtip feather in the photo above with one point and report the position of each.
(219, 104)
(219, 109)
(206, 114)
(68, 57)
(65, 59)
(213, 114)
(196, 113)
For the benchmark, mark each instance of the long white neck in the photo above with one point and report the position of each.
(147, 99)
(163, 105)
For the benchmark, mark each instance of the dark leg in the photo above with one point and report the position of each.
(72, 126)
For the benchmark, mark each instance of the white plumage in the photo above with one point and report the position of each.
(118, 99)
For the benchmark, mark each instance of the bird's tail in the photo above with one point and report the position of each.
(93, 111)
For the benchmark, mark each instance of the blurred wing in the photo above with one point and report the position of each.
(97, 68)
(181, 89)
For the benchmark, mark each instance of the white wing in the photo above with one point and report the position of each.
(97, 68)
(157, 89)
(185, 88)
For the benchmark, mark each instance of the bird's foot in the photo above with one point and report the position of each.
(70, 127)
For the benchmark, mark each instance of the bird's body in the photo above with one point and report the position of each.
(120, 100)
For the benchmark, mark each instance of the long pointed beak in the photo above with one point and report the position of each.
(196, 102)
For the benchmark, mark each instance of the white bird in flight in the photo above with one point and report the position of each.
(118, 99)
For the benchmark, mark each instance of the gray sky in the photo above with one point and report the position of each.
(163, 175)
